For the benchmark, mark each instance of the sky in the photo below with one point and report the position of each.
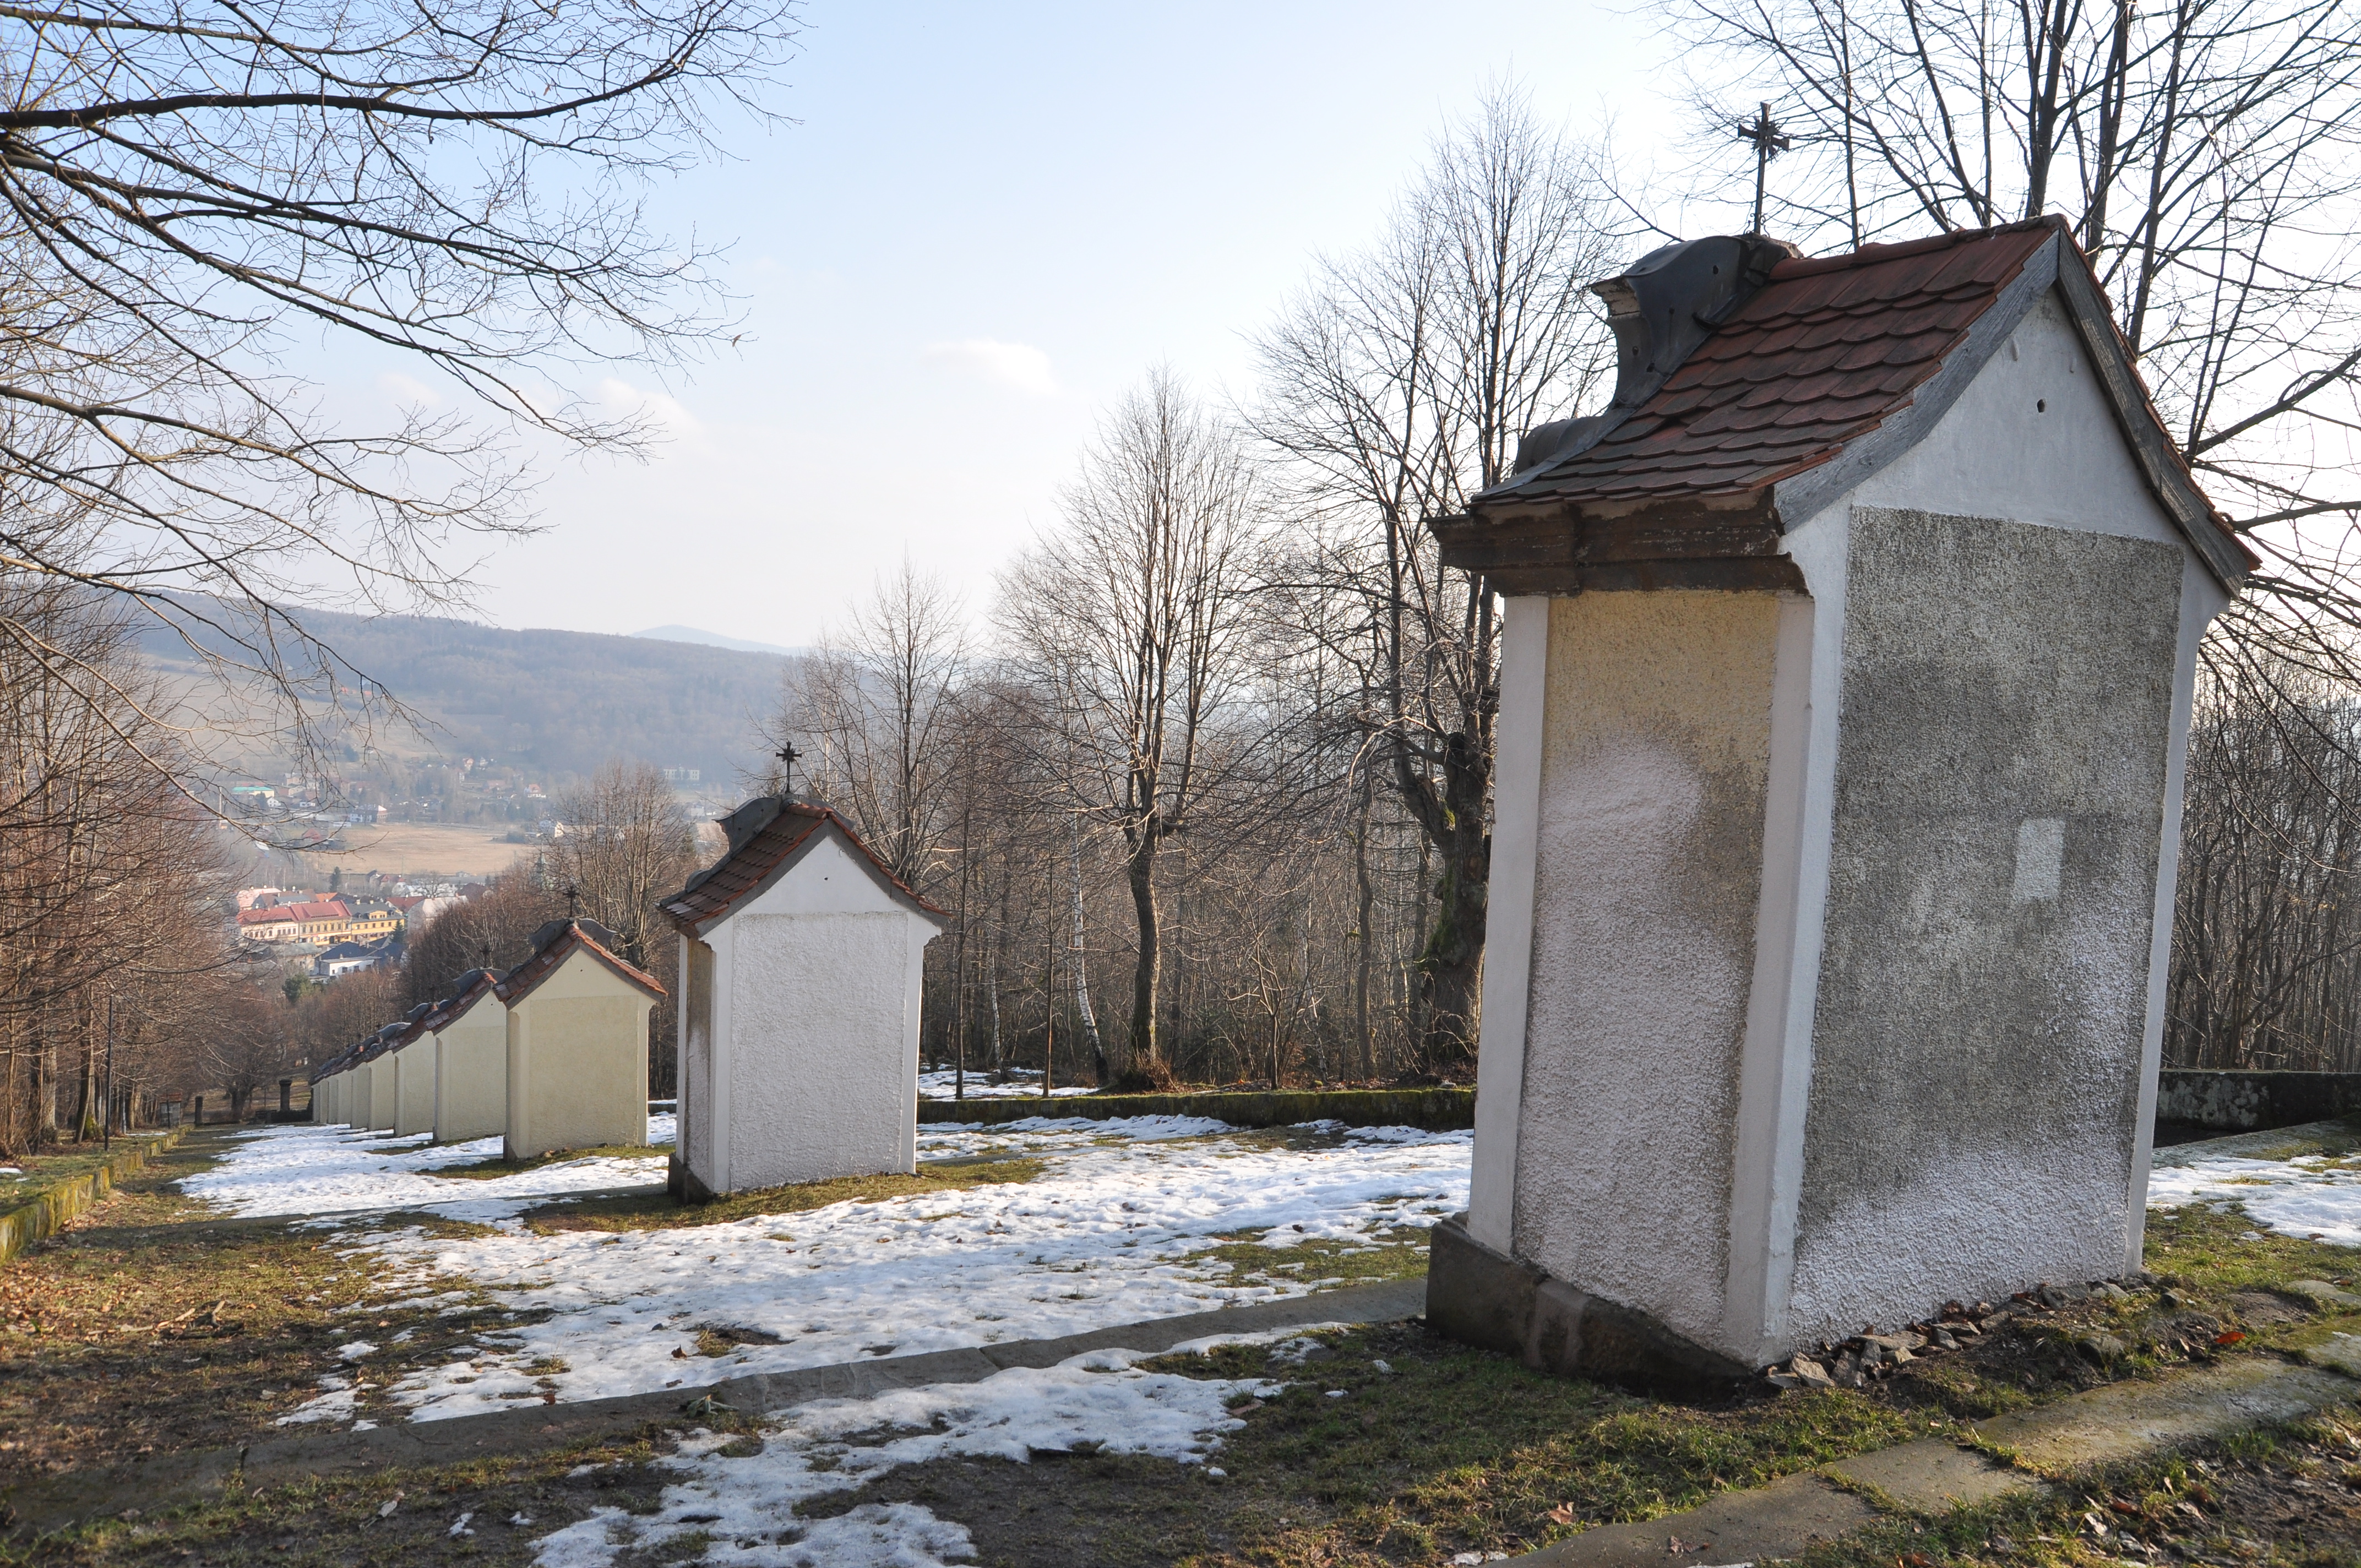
(985, 226)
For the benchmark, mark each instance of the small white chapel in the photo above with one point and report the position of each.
(801, 962)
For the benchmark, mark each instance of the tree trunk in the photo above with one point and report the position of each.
(1453, 962)
(1365, 1042)
(86, 1124)
(1148, 971)
(1081, 974)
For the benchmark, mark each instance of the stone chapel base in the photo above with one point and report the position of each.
(1487, 1298)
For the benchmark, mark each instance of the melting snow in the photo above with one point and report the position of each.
(1120, 1227)
(313, 1170)
(2308, 1195)
(1117, 1230)
(943, 1085)
(746, 1507)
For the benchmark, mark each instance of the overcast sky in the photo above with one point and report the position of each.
(989, 222)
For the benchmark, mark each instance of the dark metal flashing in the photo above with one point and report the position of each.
(1660, 310)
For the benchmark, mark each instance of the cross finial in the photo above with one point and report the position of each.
(573, 902)
(1769, 141)
(787, 754)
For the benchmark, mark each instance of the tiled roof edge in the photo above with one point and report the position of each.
(821, 817)
(512, 989)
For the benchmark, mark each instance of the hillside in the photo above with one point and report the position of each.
(555, 703)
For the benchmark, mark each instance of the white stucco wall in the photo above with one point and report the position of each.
(471, 1073)
(1653, 772)
(413, 1087)
(810, 1066)
(578, 1061)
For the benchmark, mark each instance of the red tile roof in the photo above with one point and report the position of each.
(452, 1008)
(1827, 353)
(325, 909)
(520, 981)
(757, 857)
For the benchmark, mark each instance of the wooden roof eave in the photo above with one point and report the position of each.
(1565, 544)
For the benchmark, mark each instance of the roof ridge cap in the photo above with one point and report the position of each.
(1872, 255)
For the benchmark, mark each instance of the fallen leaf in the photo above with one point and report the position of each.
(1563, 1514)
(2228, 1336)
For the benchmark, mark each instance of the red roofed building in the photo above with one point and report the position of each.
(1847, 665)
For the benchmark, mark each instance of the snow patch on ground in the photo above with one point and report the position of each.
(1121, 1227)
(2308, 1195)
(747, 1507)
(942, 1084)
(301, 1168)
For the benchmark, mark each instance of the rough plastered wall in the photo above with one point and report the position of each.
(1647, 873)
(578, 1061)
(380, 1093)
(413, 1087)
(817, 1080)
(471, 1074)
(2000, 794)
(694, 1124)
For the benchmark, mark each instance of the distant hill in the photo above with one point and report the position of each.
(715, 640)
(557, 702)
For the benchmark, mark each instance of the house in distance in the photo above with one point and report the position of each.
(801, 963)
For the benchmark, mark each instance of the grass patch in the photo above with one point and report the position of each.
(659, 1211)
(1399, 1254)
(153, 1324)
(2275, 1497)
(62, 1164)
(1448, 1448)
(337, 1522)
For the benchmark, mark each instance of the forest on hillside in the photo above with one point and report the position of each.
(555, 703)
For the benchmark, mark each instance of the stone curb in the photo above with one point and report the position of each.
(46, 1211)
(1433, 1110)
(2251, 1146)
(2122, 1420)
(57, 1503)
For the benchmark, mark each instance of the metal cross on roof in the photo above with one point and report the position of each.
(1769, 141)
(786, 753)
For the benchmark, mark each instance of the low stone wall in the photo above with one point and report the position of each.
(48, 1210)
(2254, 1102)
(1435, 1110)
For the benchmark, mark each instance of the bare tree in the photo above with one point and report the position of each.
(185, 198)
(1395, 385)
(875, 709)
(1130, 625)
(2204, 150)
(2267, 921)
(627, 844)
